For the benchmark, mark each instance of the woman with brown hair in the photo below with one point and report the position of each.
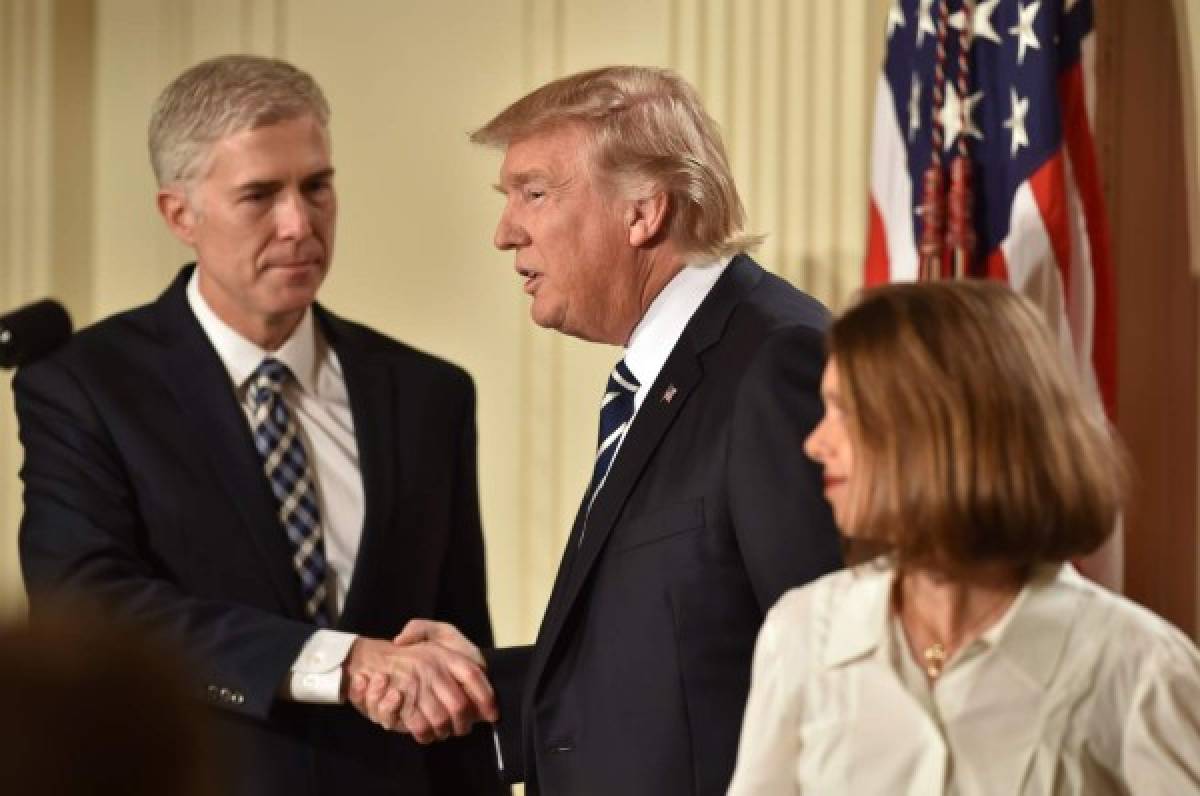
(971, 658)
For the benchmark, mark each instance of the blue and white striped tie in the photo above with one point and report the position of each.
(285, 463)
(616, 412)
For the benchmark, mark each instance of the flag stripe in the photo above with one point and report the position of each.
(891, 188)
(1081, 150)
(877, 253)
(997, 266)
(1027, 113)
(1049, 189)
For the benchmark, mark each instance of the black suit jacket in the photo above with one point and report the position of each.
(143, 488)
(639, 676)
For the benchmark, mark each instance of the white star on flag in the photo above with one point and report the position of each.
(981, 22)
(914, 107)
(925, 21)
(1038, 214)
(1016, 122)
(1024, 30)
(956, 115)
(895, 18)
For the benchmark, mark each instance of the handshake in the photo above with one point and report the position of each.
(428, 681)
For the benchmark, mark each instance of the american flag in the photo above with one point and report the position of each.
(1026, 114)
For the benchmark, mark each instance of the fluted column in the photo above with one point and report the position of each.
(791, 82)
(45, 199)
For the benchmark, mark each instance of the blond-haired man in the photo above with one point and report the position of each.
(702, 509)
(270, 486)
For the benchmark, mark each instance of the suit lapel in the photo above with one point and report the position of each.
(682, 374)
(652, 422)
(681, 377)
(218, 430)
(373, 403)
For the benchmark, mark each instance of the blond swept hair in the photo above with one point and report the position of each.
(974, 440)
(222, 96)
(648, 131)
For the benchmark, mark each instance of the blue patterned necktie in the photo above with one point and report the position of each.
(285, 463)
(616, 412)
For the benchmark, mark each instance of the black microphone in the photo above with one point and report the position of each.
(32, 332)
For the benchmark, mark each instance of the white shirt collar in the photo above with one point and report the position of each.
(660, 328)
(1030, 636)
(241, 357)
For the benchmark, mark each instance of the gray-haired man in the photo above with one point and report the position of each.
(272, 487)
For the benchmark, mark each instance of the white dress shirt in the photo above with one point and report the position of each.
(660, 328)
(320, 405)
(1075, 690)
(651, 343)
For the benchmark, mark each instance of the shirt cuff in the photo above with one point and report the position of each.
(316, 676)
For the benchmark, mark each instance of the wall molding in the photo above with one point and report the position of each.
(26, 80)
(540, 459)
(787, 84)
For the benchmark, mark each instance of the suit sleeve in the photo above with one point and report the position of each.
(507, 670)
(783, 523)
(81, 533)
(462, 592)
(466, 765)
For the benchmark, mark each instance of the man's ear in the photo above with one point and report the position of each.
(176, 209)
(646, 218)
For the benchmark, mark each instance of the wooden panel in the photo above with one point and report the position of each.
(1187, 36)
(1140, 140)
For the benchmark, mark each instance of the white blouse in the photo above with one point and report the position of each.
(1074, 691)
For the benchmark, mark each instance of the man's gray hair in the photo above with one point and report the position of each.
(222, 96)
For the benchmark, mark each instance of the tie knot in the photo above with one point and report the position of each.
(621, 381)
(267, 380)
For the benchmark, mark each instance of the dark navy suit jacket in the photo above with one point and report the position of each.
(143, 488)
(711, 511)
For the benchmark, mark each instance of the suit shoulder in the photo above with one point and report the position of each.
(774, 302)
(781, 353)
(413, 360)
(104, 344)
(774, 320)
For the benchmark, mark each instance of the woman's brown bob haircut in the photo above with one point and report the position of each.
(974, 442)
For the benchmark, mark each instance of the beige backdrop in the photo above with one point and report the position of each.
(790, 83)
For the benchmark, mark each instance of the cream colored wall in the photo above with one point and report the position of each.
(41, 223)
(19, 122)
(788, 80)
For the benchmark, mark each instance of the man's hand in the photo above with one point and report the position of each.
(431, 690)
(447, 635)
